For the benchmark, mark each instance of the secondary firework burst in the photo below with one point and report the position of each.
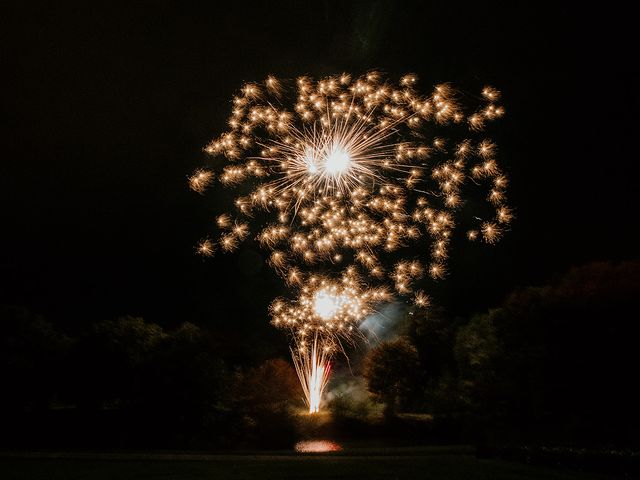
(325, 315)
(346, 176)
(329, 308)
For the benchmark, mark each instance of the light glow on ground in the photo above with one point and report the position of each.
(317, 446)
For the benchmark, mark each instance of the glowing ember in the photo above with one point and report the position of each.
(317, 446)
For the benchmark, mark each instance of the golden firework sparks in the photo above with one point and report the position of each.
(200, 180)
(205, 248)
(351, 168)
(313, 367)
(328, 307)
(325, 314)
(351, 173)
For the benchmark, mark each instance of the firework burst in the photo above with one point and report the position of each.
(325, 315)
(352, 174)
(352, 170)
(328, 308)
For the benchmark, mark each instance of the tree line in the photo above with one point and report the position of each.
(554, 364)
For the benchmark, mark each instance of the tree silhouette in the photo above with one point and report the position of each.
(557, 361)
(392, 373)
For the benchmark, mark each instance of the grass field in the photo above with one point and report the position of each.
(430, 463)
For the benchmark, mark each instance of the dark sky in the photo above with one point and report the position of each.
(107, 108)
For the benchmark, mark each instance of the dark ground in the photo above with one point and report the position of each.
(433, 463)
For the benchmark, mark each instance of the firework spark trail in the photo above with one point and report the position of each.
(352, 173)
(313, 367)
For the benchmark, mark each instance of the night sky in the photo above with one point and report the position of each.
(107, 109)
